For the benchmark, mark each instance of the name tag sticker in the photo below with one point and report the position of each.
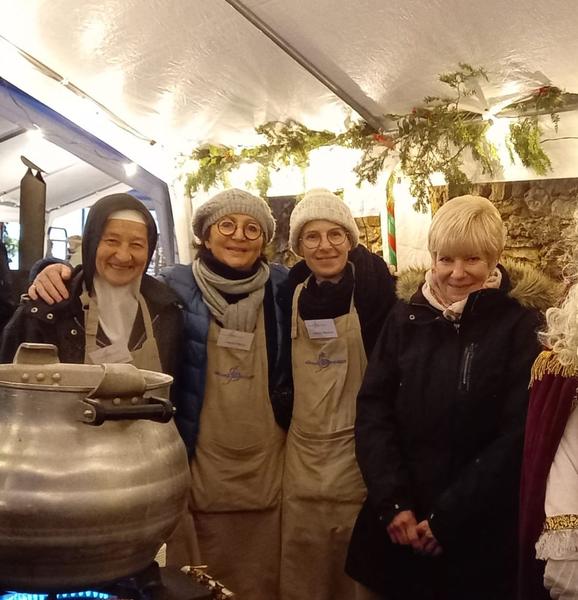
(321, 328)
(115, 353)
(238, 340)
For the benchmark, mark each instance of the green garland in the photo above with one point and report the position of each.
(526, 134)
(430, 139)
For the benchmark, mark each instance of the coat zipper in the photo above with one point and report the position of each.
(465, 372)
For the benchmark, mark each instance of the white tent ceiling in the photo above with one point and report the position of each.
(183, 72)
(197, 70)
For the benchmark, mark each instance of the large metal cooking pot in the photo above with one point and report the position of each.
(93, 474)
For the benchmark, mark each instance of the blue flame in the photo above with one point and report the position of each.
(88, 594)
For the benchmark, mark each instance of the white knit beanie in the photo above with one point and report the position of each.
(321, 204)
(233, 201)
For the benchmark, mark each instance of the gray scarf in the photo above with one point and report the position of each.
(241, 316)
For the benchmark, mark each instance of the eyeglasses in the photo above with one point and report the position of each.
(312, 239)
(227, 227)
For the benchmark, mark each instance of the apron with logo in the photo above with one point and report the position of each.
(182, 547)
(322, 486)
(237, 469)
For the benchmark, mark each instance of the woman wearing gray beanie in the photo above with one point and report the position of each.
(233, 391)
(342, 294)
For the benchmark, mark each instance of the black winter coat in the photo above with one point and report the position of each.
(439, 430)
(62, 324)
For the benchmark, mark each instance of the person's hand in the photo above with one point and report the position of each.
(49, 284)
(429, 544)
(402, 529)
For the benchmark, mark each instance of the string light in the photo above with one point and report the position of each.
(35, 134)
(130, 169)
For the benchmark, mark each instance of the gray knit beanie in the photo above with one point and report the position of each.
(233, 201)
(321, 204)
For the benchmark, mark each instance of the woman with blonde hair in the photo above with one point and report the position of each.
(440, 419)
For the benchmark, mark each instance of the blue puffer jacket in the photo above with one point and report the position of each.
(189, 386)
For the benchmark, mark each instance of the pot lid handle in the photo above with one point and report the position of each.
(30, 353)
(119, 380)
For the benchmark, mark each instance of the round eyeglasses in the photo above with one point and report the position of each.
(227, 227)
(312, 239)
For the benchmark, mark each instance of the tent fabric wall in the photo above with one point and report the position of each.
(27, 112)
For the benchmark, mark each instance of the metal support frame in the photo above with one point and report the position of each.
(378, 123)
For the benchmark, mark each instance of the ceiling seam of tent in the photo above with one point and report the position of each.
(96, 191)
(375, 121)
(55, 76)
(45, 175)
(12, 134)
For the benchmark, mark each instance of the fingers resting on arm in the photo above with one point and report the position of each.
(49, 284)
(402, 528)
(429, 544)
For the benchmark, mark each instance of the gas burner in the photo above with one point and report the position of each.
(83, 595)
(154, 583)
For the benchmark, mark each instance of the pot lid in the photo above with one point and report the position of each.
(36, 366)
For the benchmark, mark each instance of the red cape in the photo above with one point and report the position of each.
(551, 397)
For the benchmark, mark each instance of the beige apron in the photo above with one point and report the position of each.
(322, 486)
(182, 546)
(237, 470)
(146, 357)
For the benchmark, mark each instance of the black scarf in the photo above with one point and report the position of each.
(327, 300)
(373, 290)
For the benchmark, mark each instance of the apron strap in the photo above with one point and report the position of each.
(90, 324)
(149, 351)
(351, 302)
(146, 315)
(295, 308)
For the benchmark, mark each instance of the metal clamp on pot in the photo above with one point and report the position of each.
(119, 396)
(97, 411)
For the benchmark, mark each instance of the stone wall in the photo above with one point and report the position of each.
(278, 251)
(370, 233)
(539, 217)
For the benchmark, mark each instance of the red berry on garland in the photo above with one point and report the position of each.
(386, 140)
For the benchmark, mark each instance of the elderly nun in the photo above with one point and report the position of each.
(114, 312)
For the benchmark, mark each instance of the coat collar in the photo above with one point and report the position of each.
(520, 281)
